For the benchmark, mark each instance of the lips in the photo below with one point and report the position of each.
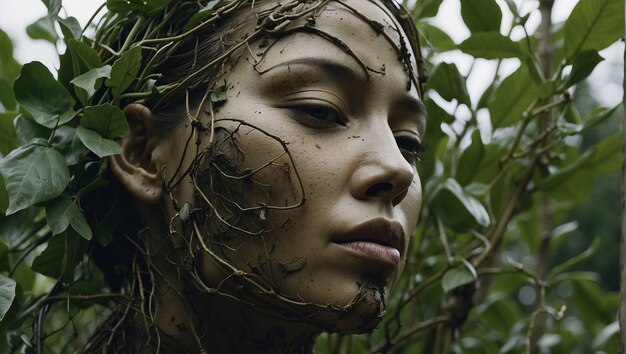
(378, 240)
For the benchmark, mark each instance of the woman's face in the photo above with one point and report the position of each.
(351, 134)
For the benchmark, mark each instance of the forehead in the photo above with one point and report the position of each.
(357, 31)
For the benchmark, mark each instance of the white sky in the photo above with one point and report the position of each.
(16, 15)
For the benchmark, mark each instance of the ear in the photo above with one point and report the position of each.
(134, 167)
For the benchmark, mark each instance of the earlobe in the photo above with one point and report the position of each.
(134, 167)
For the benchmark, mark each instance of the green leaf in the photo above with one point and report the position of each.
(33, 173)
(201, 15)
(449, 83)
(124, 6)
(107, 120)
(7, 97)
(457, 207)
(426, 8)
(8, 136)
(499, 312)
(63, 253)
(491, 45)
(4, 197)
(67, 142)
(593, 25)
(590, 121)
(574, 181)
(9, 67)
(593, 305)
(63, 212)
(43, 28)
(598, 116)
(513, 97)
(70, 27)
(124, 70)
(481, 15)
(27, 130)
(575, 260)
(97, 144)
(458, 276)
(584, 63)
(219, 94)
(42, 96)
(7, 294)
(4, 256)
(603, 338)
(84, 58)
(438, 40)
(470, 159)
(154, 6)
(92, 79)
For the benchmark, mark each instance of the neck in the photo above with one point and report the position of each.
(191, 320)
(213, 324)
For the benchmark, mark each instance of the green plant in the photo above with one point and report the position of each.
(493, 200)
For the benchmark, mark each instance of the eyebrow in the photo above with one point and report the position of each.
(410, 103)
(330, 66)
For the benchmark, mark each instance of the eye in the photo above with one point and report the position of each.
(410, 148)
(318, 115)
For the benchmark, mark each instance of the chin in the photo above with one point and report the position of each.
(362, 314)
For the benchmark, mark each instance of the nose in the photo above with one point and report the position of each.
(383, 172)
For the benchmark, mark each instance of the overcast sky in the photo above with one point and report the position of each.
(16, 15)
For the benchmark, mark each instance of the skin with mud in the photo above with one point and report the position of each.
(285, 210)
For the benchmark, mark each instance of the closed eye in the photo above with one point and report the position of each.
(317, 115)
(410, 148)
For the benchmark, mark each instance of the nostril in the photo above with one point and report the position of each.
(379, 188)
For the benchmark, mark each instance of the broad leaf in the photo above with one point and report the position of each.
(491, 45)
(7, 96)
(470, 159)
(107, 120)
(458, 208)
(97, 144)
(63, 212)
(124, 70)
(70, 27)
(201, 15)
(27, 130)
(43, 28)
(153, 6)
(84, 58)
(9, 67)
(7, 294)
(593, 25)
(439, 40)
(575, 260)
(66, 141)
(124, 6)
(4, 256)
(513, 97)
(92, 79)
(458, 276)
(481, 15)
(8, 136)
(63, 253)
(449, 83)
(426, 8)
(574, 181)
(583, 66)
(42, 96)
(32, 174)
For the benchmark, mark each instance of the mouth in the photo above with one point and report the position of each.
(379, 240)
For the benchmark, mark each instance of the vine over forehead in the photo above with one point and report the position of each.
(159, 37)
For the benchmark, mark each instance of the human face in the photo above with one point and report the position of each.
(351, 128)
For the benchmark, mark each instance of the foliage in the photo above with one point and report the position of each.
(476, 280)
